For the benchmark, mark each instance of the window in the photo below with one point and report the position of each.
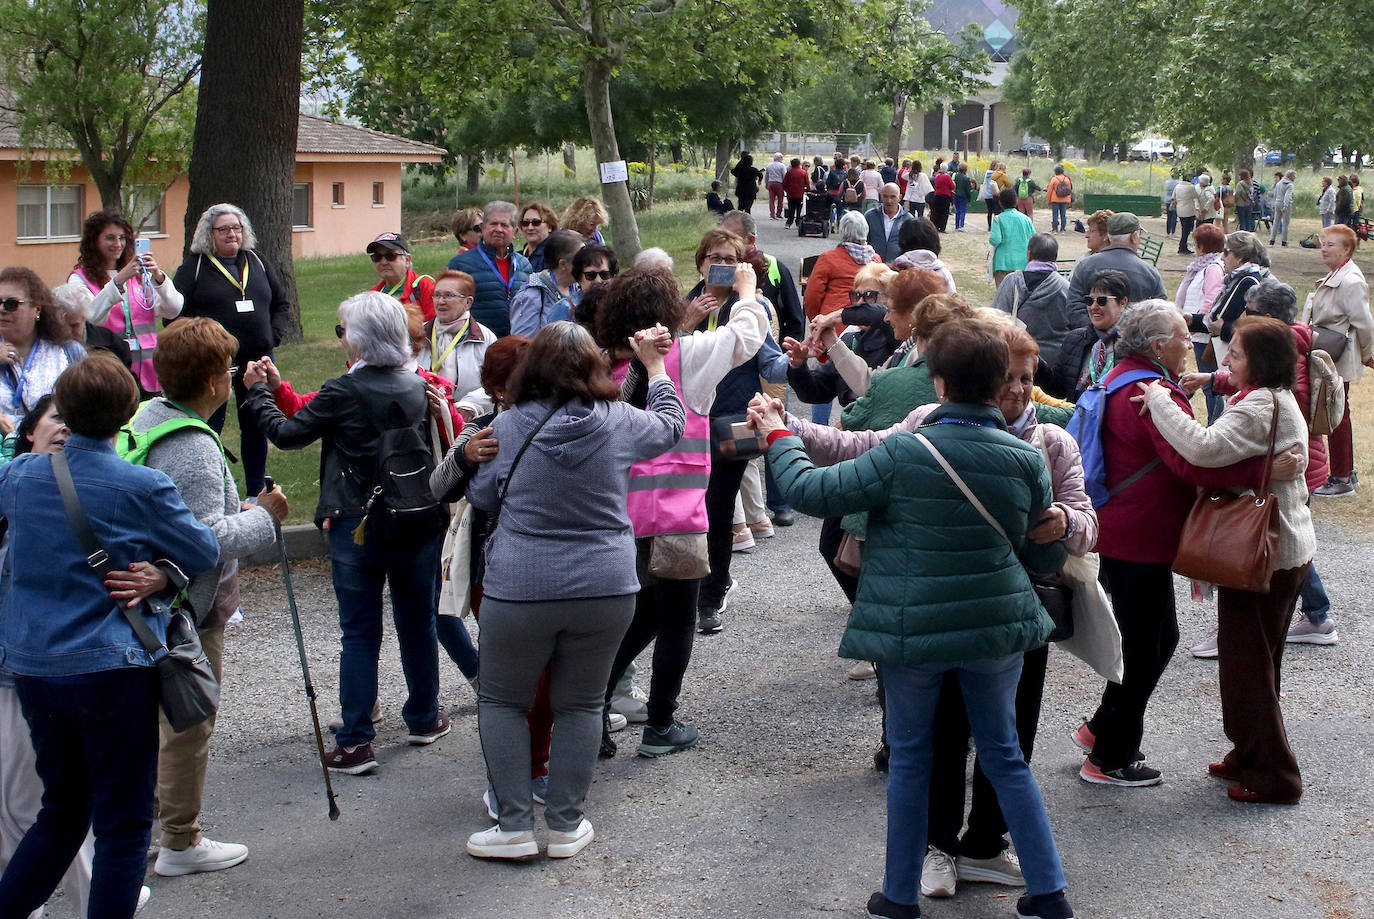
(378, 197)
(338, 194)
(300, 205)
(49, 211)
(145, 205)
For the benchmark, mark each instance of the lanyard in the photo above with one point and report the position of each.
(713, 320)
(492, 265)
(436, 362)
(399, 287)
(241, 285)
(20, 375)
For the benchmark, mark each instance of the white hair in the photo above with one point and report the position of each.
(853, 227)
(1121, 239)
(203, 240)
(74, 296)
(375, 327)
(654, 257)
(1142, 324)
(498, 207)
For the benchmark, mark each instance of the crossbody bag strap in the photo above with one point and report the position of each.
(1269, 459)
(968, 492)
(510, 473)
(96, 556)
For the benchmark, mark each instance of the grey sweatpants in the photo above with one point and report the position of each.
(577, 640)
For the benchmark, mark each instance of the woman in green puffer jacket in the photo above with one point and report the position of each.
(943, 589)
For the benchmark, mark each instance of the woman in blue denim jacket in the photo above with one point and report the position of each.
(84, 681)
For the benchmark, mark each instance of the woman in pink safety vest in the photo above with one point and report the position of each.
(668, 493)
(131, 292)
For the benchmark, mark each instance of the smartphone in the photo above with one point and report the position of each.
(720, 276)
(740, 430)
(143, 245)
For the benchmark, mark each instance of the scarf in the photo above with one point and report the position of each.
(860, 252)
(1024, 422)
(1041, 266)
(1196, 267)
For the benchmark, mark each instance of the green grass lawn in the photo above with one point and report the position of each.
(323, 283)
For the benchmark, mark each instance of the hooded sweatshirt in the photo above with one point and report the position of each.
(1043, 308)
(540, 302)
(927, 261)
(563, 531)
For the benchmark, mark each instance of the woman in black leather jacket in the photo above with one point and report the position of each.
(348, 416)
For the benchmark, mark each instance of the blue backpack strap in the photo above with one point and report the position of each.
(1131, 376)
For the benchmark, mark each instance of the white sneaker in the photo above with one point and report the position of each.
(763, 529)
(206, 855)
(566, 845)
(631, 708)
(1303, 632)
(618, 721)
(337, 723)
(144, 895)
(743, 539)
(498, 843)
(863, 670)
(1207, 648)
(1002, 868)
(938, 876)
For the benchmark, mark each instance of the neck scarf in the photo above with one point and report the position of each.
(1195, 268)
(862, 253)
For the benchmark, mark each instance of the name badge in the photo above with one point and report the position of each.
(132, 343)
(244, 306)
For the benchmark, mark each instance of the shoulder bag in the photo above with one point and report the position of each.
(1056, 598)
(1230, 539)
(1324, 338)
(189, 689)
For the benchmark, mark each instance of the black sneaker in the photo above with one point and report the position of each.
(675, 738)
(608, 747)
(1044, 906)
(1132, 775)
(784, 518)
(880, 907)
(708, 615)
(881, 756)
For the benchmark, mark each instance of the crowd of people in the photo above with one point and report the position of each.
(573, 453)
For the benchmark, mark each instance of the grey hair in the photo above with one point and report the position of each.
(498, 207)
(1273, 298)
(203, 239)
(1142, 324)
(654, 257)
(1121, 239)
(1204, 179)
(74, 296)
(375, 326)
(745, 220)
(853, 227)
(1247, 247)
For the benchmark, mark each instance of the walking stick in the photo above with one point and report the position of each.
(305, 667)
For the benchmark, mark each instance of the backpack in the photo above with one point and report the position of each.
(1063, 187)
(401, 508)
(1086, 427)
(851, 192)
(1023, 188)
(134, 446)
(1327, 393)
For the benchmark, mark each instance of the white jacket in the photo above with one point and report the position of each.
(1341, 302)
(1185, 199)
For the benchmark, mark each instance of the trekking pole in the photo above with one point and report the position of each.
(305, 667)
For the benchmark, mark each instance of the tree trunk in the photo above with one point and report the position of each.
(596, 89)
(474, 164)
(653, 172)
(244, 150)
(898, 123)
(675, 151)
(570, 158)
(723, 147)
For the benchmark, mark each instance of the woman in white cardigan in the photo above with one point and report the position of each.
(1252, 627)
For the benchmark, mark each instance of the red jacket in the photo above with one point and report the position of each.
(944, 184)
(419, 289)
(796, 182)
(1142, 523)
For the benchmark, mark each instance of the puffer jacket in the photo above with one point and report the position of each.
(538, 303)
(491, 302)
(938, 583)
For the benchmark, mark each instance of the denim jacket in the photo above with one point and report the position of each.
(56, 617)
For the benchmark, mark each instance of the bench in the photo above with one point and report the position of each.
(1065, 266)
(1150, 249)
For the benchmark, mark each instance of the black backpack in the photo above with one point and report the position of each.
(401, 508)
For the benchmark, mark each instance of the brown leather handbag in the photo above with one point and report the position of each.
(1229, 539)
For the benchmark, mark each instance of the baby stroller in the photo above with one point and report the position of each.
(815, 219)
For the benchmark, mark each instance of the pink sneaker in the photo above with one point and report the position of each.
(1083, 738)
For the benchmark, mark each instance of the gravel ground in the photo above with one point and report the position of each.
(778, 813)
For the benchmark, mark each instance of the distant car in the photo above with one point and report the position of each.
(1276, 157)
(1151, 150)
(1032, 150)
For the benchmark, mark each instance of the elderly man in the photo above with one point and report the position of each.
(885, 222)
(773, 175)
(500, 271)
(390, 254)
(1283, 207)
(1121, 254)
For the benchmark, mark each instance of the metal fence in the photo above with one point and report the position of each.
(811, 143)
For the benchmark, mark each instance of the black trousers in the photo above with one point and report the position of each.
(986, 825)
(939, 211)
(726, 476)
(1143, 601)
(794, 210)
(994, 208)
(666, 614)
(1185, 232)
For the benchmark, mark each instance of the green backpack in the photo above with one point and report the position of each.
(134, 446)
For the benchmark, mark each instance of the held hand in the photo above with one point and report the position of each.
(1192, 382)
(132, 587)
(436, 398)
(663, 338)
(1215, 327)
(797, 352)
(1052, 526)
(1289, 465)
(275, 502)
(825, 339)
(273, 374)
(482, 447)
(645, 346)
(697, 310)
(254, 373)
(746, 282)
(128, 271)
(765, 415)
(827, 321)
(150, 263)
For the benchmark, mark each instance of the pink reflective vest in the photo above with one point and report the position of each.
(140, 324)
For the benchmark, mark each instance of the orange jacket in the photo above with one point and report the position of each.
(827, 290)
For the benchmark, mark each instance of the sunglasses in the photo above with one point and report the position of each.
(388, 256)
(339, 331)
(475, 228)
(865, 296)
(532, 223)
(233, 370)
(1099, 300)
(10, 304)
(599, 275)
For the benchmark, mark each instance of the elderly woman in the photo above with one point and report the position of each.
(548, 606)
(820, 383)
(1153, 491)
(828, 286)
(1206, 200)
(1252, 626)
(926, 531)
(1339, 310)
(456, 343)
(586, 216)
(1246, 262)
(1198, 290)
(86, 684)
(350, 413)
(194, 361)
(552, 294)
(467, 228)
(35, 346)
(225, 280)
(1008, 235)
(131, 292)
(390, 254)
(537, 221)
(1086, 354)
(73, 303)
(1326, 202)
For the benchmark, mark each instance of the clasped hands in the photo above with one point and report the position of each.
(765, 414)
(821, 336)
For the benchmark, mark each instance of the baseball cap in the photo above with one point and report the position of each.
(1122, 224)
(393, 241)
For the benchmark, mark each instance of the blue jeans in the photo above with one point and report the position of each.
(1170, 222)
(1245, 218)
(820, 414)
(1316, 606)
(457, 641)
(989, 688)
(359, 574)
(1059, 215)
(960, 212)
(1328, 218)
(95, 738)
(1215, 403)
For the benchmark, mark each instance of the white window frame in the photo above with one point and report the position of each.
(47, 235)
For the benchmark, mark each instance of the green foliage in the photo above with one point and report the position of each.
(835, 102)
(110, 78)
(901, 56)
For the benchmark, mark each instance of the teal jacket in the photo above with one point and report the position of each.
(1010, 232)
(938, 584)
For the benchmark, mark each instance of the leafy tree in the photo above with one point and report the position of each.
(110, 78)
(835, 102)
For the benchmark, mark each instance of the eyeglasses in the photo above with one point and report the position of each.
(233, 370)
(605, 275)
(475, 228)
(229, 231)
(121, 239)
(864, 296)
(10, 304)
(1250, 312)
(534, 222)
(722, 259)
(445, 295)
(389, 256)
(1099, 300)
(339, 331)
